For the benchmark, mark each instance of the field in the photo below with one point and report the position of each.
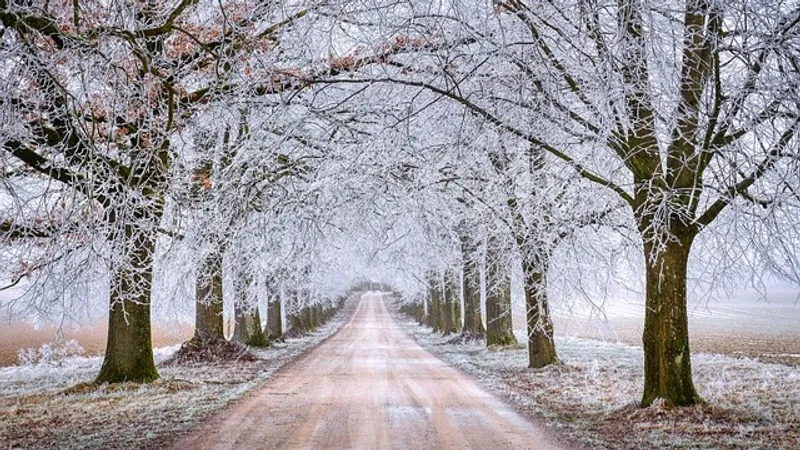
(744, 326)
(18, 335)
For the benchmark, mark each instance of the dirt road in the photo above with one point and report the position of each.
(370, 386)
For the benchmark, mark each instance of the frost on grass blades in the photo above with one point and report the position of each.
(749, 404)
(51, 406)
(242, 167)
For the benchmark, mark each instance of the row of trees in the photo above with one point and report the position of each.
(686, 114)
(140, 132)
(661, 123)
(414, 140)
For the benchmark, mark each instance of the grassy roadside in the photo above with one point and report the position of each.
(36, 411)
(592, 395)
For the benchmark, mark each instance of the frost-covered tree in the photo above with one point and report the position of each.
(99, 97)
(684, 110)
(106, 133)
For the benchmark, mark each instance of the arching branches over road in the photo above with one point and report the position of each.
(683, 110)
(282, 144)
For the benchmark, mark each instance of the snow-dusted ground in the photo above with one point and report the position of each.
(56, 375)
(593, 395)
(37, 410)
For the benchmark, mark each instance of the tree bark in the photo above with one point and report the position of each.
(667, 362)
(419, 312)
(248, 329)
(299, 321)
(435, 316)
(473, 323)
(247, 324)
(541, 346)
(208, 323)
(452, 318)
(239, 319)
(324, 314)
(499, 327)
(129, 349)
(313, 317)
(274, 322)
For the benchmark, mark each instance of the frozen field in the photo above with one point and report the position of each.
(744, 325)
(19, 335)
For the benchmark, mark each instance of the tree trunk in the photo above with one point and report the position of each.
(435, 316)
(541, 347)
(451, 321)
(129, 349)
(255, 335)
(274, 322)
(309, 318)
(299, 321)
(324, 313)
(499, 328)
(247, 324)
(419, 312)
(457, 306)
(239, 319)
(667, 362)
(473, 323)
(240, 307)
(294, 323)
(312, 318)
(248, 329)
(208, 322)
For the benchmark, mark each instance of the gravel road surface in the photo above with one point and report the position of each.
(370, 386)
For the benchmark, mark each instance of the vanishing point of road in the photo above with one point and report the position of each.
(369, 386)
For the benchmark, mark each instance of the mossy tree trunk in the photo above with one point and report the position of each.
(208, 322)
(326, 313)
(312, 318)
(299, 321)
(274, 329)
(129, 349)
(308, 318)
(499, 327)
(541, 346)
(247, 327)
(669, 180)
(296, 321)
(319, 319)
(457, 304)
(667, 361)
